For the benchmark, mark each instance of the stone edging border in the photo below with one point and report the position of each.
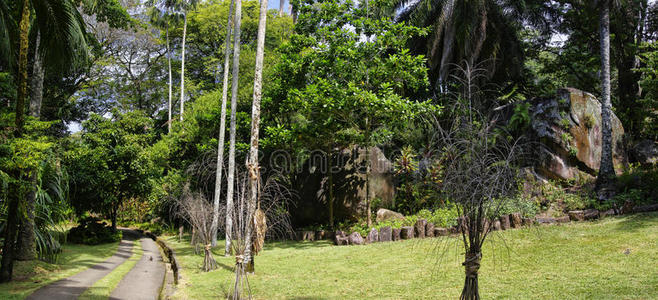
(424, 229)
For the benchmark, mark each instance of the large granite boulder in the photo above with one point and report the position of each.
(348, 168)
(569, 129)
(385, 215)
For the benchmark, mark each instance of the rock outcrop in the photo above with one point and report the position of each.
(569, 131)
(348, 169)
(385, 215)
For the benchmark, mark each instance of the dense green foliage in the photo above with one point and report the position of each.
(338, 76)
(91, 231)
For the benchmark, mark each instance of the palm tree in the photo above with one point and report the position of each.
(162, 15)
(222, 128)
(62, 32)
(252, 165)
(607, 174)
(470, 30)
(185, 6)
(234, 106)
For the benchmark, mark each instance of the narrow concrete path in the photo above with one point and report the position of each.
(72, 287)
(145, 279)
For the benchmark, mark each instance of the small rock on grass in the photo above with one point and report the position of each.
(515, 220)
(419, 228)
(440, 231)
(563, 219)
(577, 215)
(406, 232)
(591, 214)
(395, 234)
(429, 230)
(504, 222)
(373, 236)
(356, 239)
(386, 234)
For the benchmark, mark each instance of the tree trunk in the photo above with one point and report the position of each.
(234, 106)
(281, 4)
(170, 81)
(606, 176)
(471, 266)
(26, 247)
(38, 73)
(182, 70)
(369, 209)
(331, 191)
(254, 169)
(11, 227)
(222, 129)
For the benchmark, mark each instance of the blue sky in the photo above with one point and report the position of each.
(274, 4)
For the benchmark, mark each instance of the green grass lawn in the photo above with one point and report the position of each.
(31, 275)
(104, 287)
(576, 261)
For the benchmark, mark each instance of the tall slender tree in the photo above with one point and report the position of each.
(252, 164)
(607, 174)
(162, 15)
(234, 106)
(185, 7)
(222, 127)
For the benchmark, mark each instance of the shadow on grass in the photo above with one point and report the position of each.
(638, 221)
(297, 245)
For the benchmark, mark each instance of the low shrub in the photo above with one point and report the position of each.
(92, 231)
(637, 186)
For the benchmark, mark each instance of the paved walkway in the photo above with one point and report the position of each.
(143, 281)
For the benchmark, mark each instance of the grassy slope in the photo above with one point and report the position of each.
(30, 275)
(104, 287)
(575, 261)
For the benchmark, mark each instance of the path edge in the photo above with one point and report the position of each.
(172, 274)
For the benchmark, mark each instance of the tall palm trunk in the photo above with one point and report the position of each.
(254, 169)
(182, 70)
(606, 176)
(11, 227)
(26, 247)
(222, 129)
(281, 4)
(234, 106)
(170, 81)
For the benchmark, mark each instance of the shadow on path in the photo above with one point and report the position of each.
(72, 287)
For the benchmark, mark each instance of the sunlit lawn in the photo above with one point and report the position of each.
(575, 261)
(30, 275)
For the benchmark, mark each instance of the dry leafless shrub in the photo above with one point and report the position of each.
(197, 211)
(479, 164)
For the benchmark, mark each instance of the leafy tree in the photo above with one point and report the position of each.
(111, 162)
(61, 25)
(344, 78)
